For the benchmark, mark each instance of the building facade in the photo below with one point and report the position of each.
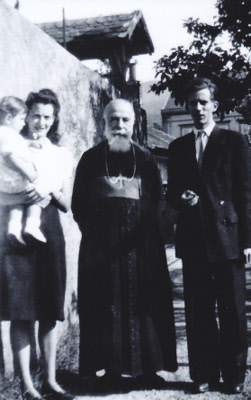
(176, 121)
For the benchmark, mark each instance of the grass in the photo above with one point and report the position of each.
(67, 363)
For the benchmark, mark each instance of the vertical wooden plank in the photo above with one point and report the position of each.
(2, 368)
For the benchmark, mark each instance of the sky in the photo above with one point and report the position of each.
(164, 20)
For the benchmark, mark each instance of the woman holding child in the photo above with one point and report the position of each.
(33, 271)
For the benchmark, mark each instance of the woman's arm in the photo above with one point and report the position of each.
(62, 198)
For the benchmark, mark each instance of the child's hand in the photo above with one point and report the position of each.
(32, 175)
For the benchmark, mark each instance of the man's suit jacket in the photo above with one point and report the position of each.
(221, 222)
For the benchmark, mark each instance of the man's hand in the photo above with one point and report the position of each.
(190, 198)
(247, 254)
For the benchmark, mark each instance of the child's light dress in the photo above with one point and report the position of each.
(51, 162)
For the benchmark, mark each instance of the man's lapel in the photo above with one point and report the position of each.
(189, 146)
(189, 155)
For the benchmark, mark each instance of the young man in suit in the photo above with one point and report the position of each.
(209, 182)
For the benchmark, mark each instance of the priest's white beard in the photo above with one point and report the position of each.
(120, 144)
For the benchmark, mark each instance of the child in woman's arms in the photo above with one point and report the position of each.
(19, 172)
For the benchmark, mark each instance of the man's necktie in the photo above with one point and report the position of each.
(200, 146)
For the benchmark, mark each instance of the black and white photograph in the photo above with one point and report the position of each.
(125, 200)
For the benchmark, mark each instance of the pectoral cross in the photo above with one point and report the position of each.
(118, 179)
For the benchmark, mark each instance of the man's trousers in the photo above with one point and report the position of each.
(216, 346)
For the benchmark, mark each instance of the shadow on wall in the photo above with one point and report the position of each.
(99, 98)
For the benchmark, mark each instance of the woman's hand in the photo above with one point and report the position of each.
(11, 199)
(32, 196)
(62, 198)
(27, 197)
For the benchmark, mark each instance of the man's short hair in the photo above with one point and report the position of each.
(199, 84)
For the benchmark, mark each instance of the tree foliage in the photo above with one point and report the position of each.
(229, 69)
(234, 17)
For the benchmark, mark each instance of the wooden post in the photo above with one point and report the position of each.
(2, 369)
(64, 36)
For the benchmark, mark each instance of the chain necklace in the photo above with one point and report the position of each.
(120, 179)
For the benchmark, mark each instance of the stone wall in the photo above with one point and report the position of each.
(30, 61)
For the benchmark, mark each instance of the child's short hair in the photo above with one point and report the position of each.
(11, 105)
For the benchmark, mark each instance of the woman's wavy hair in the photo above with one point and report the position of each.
(45, 96)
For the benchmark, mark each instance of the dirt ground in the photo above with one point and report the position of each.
(178, 385)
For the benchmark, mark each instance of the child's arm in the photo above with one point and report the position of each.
(25, 167)
(13, 151)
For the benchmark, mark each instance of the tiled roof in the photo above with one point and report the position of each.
(85, 32)
(158, 139)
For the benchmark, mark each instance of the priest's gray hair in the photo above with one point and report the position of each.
(113, 103)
